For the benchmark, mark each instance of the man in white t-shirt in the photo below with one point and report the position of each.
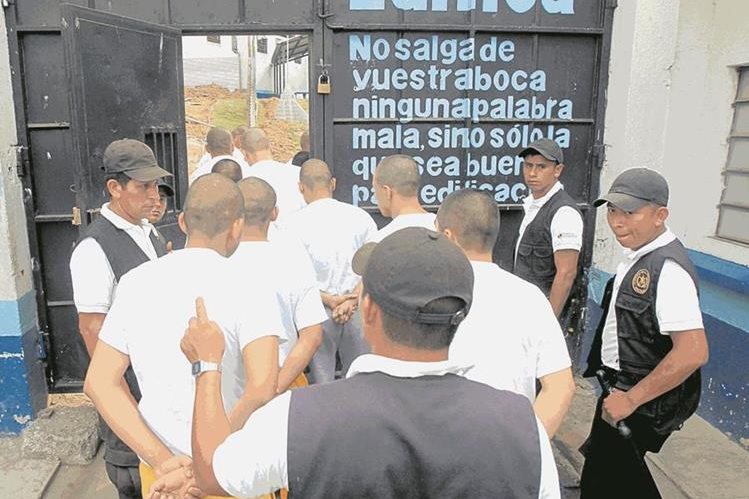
(113, 244)
(286, 268)
(145, 324)
(331, 232)
(551, 232)
(284, 178)
(396, 185)
(511, 335)
(218, 146)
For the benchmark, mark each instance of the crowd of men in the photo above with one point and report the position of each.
(455, 371)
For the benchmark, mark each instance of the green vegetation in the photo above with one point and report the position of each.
(230, 113)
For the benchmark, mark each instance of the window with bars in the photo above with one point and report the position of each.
(733, 218)
(163, 142)
(262, 45)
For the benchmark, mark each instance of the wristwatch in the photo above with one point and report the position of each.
(201, 366)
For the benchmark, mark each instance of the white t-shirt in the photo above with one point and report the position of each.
(331, 232)
(288, 271)
(92, 276)
(425, 220)
(676, 305)
(253, 460)
(147, 321)
(510, 335)
(284, 179)
(206, 164)
(566, 224)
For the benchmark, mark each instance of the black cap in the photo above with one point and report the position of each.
(412, 267)
(163, 186)
(133, 158)
(634, 188)
(546, 148)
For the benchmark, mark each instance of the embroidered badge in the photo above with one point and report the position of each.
(641, 281)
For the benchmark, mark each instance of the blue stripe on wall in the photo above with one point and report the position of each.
(17, 316)
(15, 404)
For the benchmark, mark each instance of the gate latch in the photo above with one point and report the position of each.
(22, 161)
(76, 216)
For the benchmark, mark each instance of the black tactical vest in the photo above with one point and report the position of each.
(123, 255)
(534, 260)
(374, 435)
(641, 345)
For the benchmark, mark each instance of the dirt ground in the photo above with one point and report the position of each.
(200, 104)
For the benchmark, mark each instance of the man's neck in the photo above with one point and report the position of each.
(407, 206)
(478, 256)
(216, 155)
(251, 233)
(540, 194)
(317, 196)
(115, 208)
(262, 156)
(658, 234)
(408, 354)
(202, 242)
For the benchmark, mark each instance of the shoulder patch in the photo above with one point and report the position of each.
(641, 281)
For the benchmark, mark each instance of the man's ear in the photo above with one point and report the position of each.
(235, 231)
(181, 222)
(661, 214)
(301, 187)
(114, 188)
(274, 214)
(558, 170)
(370, 312)
(332, 184)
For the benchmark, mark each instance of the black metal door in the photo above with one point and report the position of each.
(125, 81)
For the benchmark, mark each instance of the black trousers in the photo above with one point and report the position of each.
(615, 467)
(126, 479)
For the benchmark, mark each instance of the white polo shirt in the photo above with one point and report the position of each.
(425, 220)
(566, 225)
(147, 321)
(331, 232)
(253, 460)
(677, 306)
(206, 164)
(284, 179)
(510, 335)
(286, 269)
(91, 274)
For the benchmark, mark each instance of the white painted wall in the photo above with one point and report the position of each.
(15, 260)
(198, 47)
(671, 86)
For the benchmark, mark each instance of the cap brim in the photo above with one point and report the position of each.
(528, 150)
(622, 201)
(361, 258)
(148, 174)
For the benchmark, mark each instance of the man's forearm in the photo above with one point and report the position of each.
(210, 427)
(554, 399)
(89, 325)
(118, 408)
(560, 291)
(300, 356)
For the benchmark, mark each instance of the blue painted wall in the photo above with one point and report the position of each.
(724, 300)
(23, 390)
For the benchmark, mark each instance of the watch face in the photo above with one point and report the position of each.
(196, 368)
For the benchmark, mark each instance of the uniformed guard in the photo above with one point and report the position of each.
(116, 242)
(550, 236)
(649, 345)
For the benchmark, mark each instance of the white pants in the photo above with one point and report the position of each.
(346, 339)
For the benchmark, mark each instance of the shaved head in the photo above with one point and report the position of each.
(315, 174)
(473, 217)
(400, 173)
(259, 201)
(254, 140)
(229, 169)
(239, 131)
(218, 141)
(213, 203)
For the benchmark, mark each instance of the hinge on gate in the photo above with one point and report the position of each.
(597, 153)
(7, 3)
(612, 4)
(22, 161)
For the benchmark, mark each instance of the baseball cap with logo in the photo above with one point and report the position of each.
(634, 188)
(546, 148)
(133, 158)
(411, 268)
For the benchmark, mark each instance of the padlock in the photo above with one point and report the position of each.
(323, 84)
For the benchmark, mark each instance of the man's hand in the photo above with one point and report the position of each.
(335, 301)
(345, 310)
(616, 407)
(203, 339)
(178, 483)
(171, 464)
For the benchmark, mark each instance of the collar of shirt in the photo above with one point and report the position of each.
(322, 201)
(120, 222)
(369, 363)
(656, 243)
(530, 202)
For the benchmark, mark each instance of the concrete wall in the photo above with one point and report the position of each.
(22, 386)
(669, 106)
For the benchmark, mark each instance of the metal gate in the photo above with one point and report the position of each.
(62, 138)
